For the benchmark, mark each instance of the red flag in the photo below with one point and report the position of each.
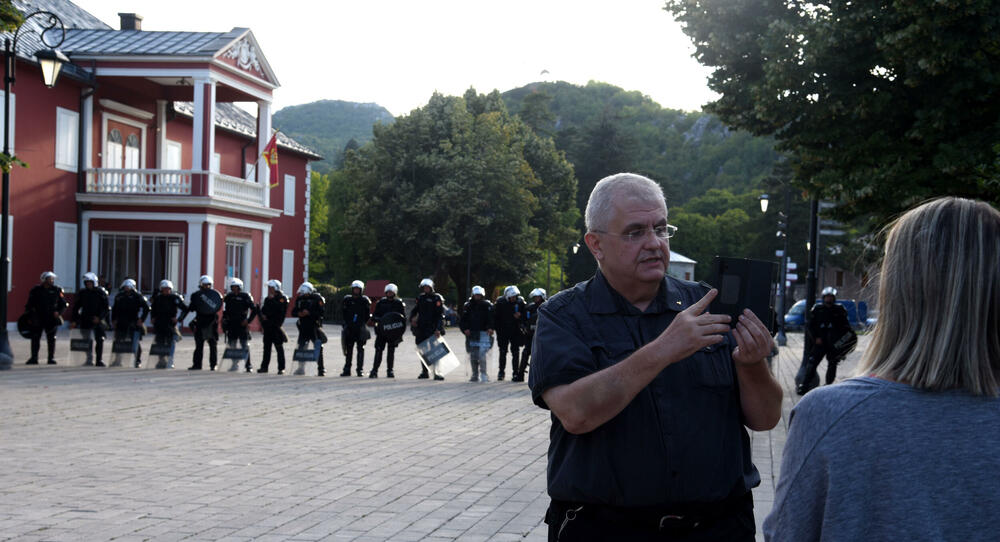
(270, 156)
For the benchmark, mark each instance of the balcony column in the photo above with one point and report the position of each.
(263, 136)
(203, 131)
(265, 264)
(161, 134)
(194, 242)
(210, 249)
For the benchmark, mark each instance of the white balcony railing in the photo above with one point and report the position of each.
(138, 181)
(175, 183)
(236, 189)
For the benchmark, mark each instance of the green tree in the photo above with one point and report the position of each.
(319, 227)
(456, 175)
(880, 104)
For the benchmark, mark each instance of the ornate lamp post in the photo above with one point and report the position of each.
(51, 62)
(782, 233)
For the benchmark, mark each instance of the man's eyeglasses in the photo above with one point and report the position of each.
(634, 236)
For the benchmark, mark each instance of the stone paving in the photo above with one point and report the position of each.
(141, 454)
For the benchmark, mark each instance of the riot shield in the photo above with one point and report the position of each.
(437, 356)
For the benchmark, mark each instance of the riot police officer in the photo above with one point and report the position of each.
(356, 311)
(828, 323)
(238, 311)
(90, 310)
(205, 303)
(309, 310)
(389, 320)
(528, 323)
(477, 316)
(166, 305)
(127, 317)
(44, 308)
(507, 315)
(427, 318)
(272, 316)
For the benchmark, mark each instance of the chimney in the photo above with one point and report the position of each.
(131, 21)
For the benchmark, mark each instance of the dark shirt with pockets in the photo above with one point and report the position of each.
(681, 439)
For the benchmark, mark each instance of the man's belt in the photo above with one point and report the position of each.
(681, 517)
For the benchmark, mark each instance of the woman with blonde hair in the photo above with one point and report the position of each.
(910, 449)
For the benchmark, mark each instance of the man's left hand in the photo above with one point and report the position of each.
(753, 342)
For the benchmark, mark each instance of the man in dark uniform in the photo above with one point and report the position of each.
(648, 392)
(127, 316)
(90, 310)
(309, 310)
(238, 311)
(44, 308)
(828, 324)
(528, 323)
(272, 316)
(477, 316)
(427, 318)
(165, 306)
(388, 305)
(507, 313)
(356, 310)
(205, 323)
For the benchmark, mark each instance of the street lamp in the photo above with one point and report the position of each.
(763, 203)
(51, 62)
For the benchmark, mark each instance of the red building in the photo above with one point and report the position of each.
(142, 166)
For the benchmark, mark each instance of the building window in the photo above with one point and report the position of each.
(238, 261)
(290, 195)
(64, 255)
(67, 138)
(288, 270)
(173, 156)
(147, 259)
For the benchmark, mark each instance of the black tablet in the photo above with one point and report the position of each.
(743, 284)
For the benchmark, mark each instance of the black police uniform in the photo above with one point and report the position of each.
(507, 315)
(129, 309)
(528, 323)
(206, 329)
(90, 310)
(429, 312)
(356, 311)
(310, 326)
(676, 460)
(44, 307)
(383, 307)
(477, 316)
(238, 311)
(163, 310)
(828, 323)
(272, 317)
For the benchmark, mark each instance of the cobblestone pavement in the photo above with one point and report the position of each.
(141, 454)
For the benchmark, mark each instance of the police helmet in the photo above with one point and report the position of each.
(166, 284)
(205, 279)
(48, 274)
(90, 277)
(274, 283)
(538, 292)
(306, 288)
(236, 282)
(511, 291)
(829, 290)
(478, 290)
(427, 282)
(358, 284)
(392, 288)
(128, 284)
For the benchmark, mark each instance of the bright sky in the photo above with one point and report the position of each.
(396, 53)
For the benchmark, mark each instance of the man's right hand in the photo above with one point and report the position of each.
(466, 331)
(694, 329)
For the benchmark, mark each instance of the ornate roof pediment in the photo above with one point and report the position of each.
(244, 54)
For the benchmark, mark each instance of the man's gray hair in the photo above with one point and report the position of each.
(609, 189)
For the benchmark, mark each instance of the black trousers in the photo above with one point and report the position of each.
(590, 523)
(525, 356)
(202, 335)
(816, 355)
(505, 342)
(390, 357)
(352, 338)
(279, 352)
(36, 341)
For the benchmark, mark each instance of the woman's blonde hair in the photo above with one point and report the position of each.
(939, 299)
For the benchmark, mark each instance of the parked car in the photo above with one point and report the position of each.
(857, 314)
